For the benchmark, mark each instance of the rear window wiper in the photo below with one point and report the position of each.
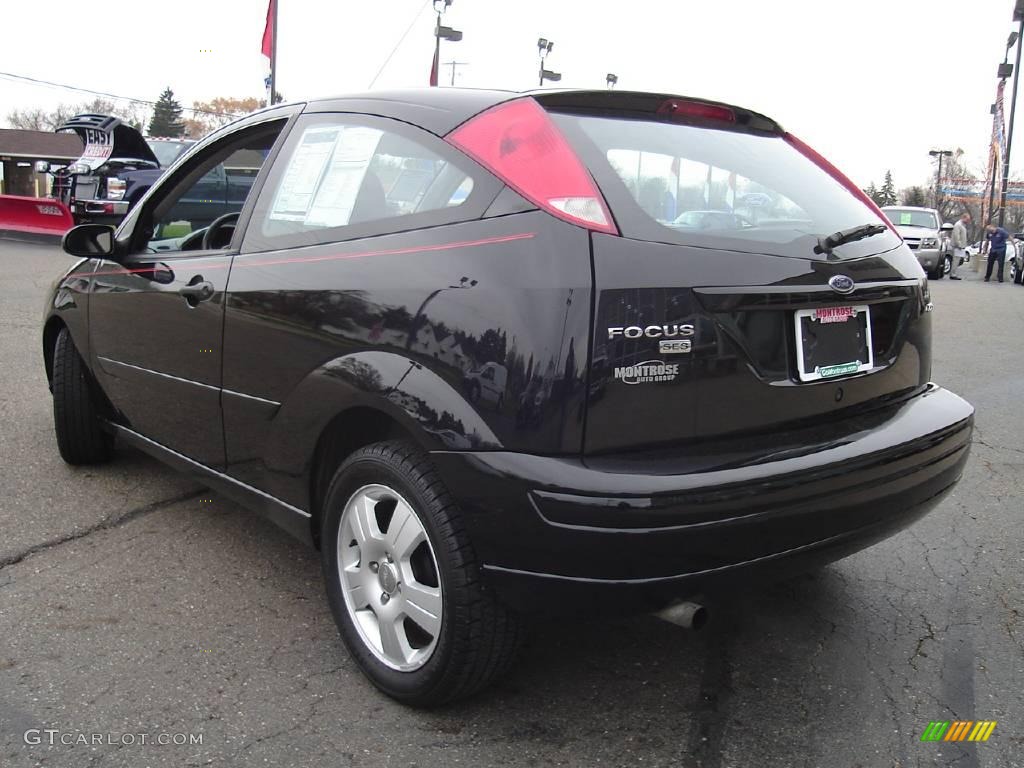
(826, 244)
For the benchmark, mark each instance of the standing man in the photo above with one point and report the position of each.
(959, 243)
(997, 249)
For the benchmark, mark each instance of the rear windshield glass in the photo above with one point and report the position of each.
(911, 218)
(167, 151)
(718, 188)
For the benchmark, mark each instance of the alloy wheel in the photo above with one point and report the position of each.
(389, 577)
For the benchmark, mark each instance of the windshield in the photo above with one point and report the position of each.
(743, 191)
(167, 151)
(911, 218)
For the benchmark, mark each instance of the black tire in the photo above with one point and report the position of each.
(81, 438)
(938, 272)
(479, 637)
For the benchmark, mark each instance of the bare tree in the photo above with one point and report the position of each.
(207, 116)
(43, 120)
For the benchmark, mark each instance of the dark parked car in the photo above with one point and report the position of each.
(759, 401)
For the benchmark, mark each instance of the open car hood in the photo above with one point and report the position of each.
(106, 137)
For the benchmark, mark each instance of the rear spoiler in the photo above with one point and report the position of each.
(655, 106)
(104, 137)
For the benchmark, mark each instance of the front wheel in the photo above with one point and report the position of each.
(404, 584)
(81, 438)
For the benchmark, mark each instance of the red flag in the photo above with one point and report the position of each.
(433, 67)
(268, 31)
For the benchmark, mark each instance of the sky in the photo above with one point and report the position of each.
(872, 85)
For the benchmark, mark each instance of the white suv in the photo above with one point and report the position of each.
(920, 229)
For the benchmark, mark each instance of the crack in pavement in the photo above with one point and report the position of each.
(111, 521)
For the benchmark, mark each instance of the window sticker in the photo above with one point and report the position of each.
(906, 218)
(302, 177)
(336, 193)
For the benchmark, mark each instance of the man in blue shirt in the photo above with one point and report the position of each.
(997, 249)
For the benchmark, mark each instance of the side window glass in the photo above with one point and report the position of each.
(342, 175)
(218, 186)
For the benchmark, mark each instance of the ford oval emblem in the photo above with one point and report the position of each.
(842, 284)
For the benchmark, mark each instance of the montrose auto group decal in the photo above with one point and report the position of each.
(647, 372)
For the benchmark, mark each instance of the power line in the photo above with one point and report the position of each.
(25, 78)
(399, 43)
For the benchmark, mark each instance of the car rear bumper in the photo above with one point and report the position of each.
(100, 211)
(631, 531)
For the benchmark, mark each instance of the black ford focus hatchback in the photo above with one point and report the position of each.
(495, 353)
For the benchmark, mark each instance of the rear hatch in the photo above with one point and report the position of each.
(722, 311)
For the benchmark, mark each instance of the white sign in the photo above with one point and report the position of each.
(323, 177)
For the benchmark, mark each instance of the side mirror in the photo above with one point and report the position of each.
(92, 241)
(42, 166)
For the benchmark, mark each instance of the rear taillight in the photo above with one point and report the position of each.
(839, 176)
(116, 188)
(521, 145)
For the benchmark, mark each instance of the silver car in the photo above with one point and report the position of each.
(920, 228)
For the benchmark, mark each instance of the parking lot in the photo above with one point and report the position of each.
(133, 601)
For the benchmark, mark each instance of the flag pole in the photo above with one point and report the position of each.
(273, 54)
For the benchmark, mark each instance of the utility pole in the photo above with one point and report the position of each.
(453, 64)
(1018, 15)
(939, 153)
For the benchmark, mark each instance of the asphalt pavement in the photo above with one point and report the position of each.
(135, 605)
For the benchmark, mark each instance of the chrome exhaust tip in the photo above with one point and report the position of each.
(686, 614)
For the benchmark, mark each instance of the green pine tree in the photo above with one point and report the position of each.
(872, 192)
(887, 193)
(167, 122)
(914, 196)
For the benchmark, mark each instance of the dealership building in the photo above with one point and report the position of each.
(19, 151)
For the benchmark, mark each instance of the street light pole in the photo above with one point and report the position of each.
(1018, 16)
(544, 47)
(441, 31)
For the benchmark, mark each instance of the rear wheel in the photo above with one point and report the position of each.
(81, 438)
(404, 584)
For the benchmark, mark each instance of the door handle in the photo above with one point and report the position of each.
(197, 290)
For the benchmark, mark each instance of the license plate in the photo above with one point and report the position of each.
(833, 342)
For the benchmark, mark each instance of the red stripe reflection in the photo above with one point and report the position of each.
(254, 261)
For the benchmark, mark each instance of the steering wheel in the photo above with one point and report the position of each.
(214, 237)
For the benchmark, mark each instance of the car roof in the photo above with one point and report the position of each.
(441, 110)
(438, 110)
